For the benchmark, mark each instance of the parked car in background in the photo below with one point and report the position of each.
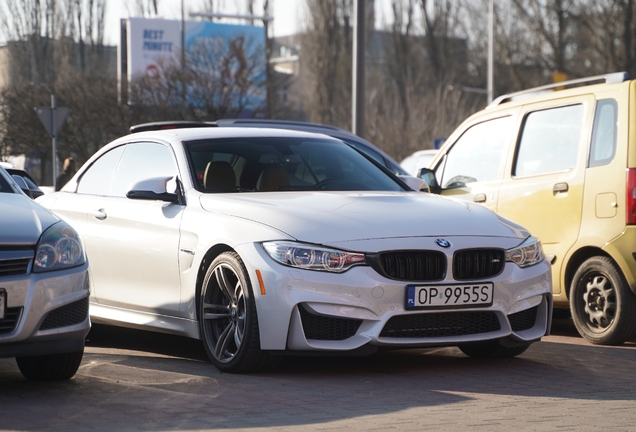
(266, 241)
(561, 160)
(44, 288)
(32, 188)
(333, 131)
(420, 159)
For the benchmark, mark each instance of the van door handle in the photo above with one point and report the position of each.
(99, 214)
(479, 198)
(560, 187)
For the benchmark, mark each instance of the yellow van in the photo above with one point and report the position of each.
(561, 161)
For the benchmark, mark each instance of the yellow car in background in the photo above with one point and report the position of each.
(561, 161)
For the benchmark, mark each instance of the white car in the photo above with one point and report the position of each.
(420, 159)
(44, 287)
(267, 241)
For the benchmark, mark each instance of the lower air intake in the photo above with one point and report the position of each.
(523, 320)
(320, 327)
(70, 314)
(438, 325)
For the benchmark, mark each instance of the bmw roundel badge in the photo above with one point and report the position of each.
(443, 243)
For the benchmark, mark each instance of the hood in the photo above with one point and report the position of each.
(22, 220)
(329, 217)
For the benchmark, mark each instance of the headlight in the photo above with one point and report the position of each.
(311, 257)
(59, 248)
(527, 253)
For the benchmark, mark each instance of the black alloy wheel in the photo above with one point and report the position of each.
(228, 318)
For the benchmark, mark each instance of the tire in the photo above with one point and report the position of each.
(52, 367)
(492, 350)
(228, 318)
(602, 304)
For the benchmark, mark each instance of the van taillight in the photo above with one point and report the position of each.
(631, 196)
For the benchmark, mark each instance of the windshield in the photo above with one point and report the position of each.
(282, 164)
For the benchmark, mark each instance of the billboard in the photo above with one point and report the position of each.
(226, 63)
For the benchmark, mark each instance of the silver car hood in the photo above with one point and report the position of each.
(22, 221)
(330, 217)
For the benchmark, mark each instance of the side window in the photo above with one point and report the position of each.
(549, 141)
(97, 179)
(478, 153)
(142, 161)
(603, 144)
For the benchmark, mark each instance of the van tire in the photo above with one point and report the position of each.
(602, 303)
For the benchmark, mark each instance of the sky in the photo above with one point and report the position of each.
(286, 14)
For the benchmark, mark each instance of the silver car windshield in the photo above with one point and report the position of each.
(283, 164)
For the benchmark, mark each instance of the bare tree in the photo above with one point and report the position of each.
(55, 47)
(327, 51)
(143, 8)
(415, 93)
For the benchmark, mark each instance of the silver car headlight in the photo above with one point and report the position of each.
(312, 257)
(59, 248)
(527, 253)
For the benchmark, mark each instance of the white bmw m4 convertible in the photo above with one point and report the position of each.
(264, 242)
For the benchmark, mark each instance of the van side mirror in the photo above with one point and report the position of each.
(428, 176)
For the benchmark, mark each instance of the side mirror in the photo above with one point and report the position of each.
(155, 189)
(414, 183)
(427, 175)
(22, 184)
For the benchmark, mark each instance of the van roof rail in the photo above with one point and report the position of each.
(611, 78)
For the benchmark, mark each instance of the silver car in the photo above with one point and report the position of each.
(44, 288)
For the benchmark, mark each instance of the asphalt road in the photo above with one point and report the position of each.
(134, 380)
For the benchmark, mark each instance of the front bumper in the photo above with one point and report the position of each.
(361, 307)
(46, 313)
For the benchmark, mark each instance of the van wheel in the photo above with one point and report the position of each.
(603, 306)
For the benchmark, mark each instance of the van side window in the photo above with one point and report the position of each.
(478, 153)
(549, 141)
(603, 145)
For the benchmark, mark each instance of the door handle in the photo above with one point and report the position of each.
(560, 187)
(479, 198)
(99, 214)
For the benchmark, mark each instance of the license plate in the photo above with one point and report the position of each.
(3, 303)
(439, 296)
